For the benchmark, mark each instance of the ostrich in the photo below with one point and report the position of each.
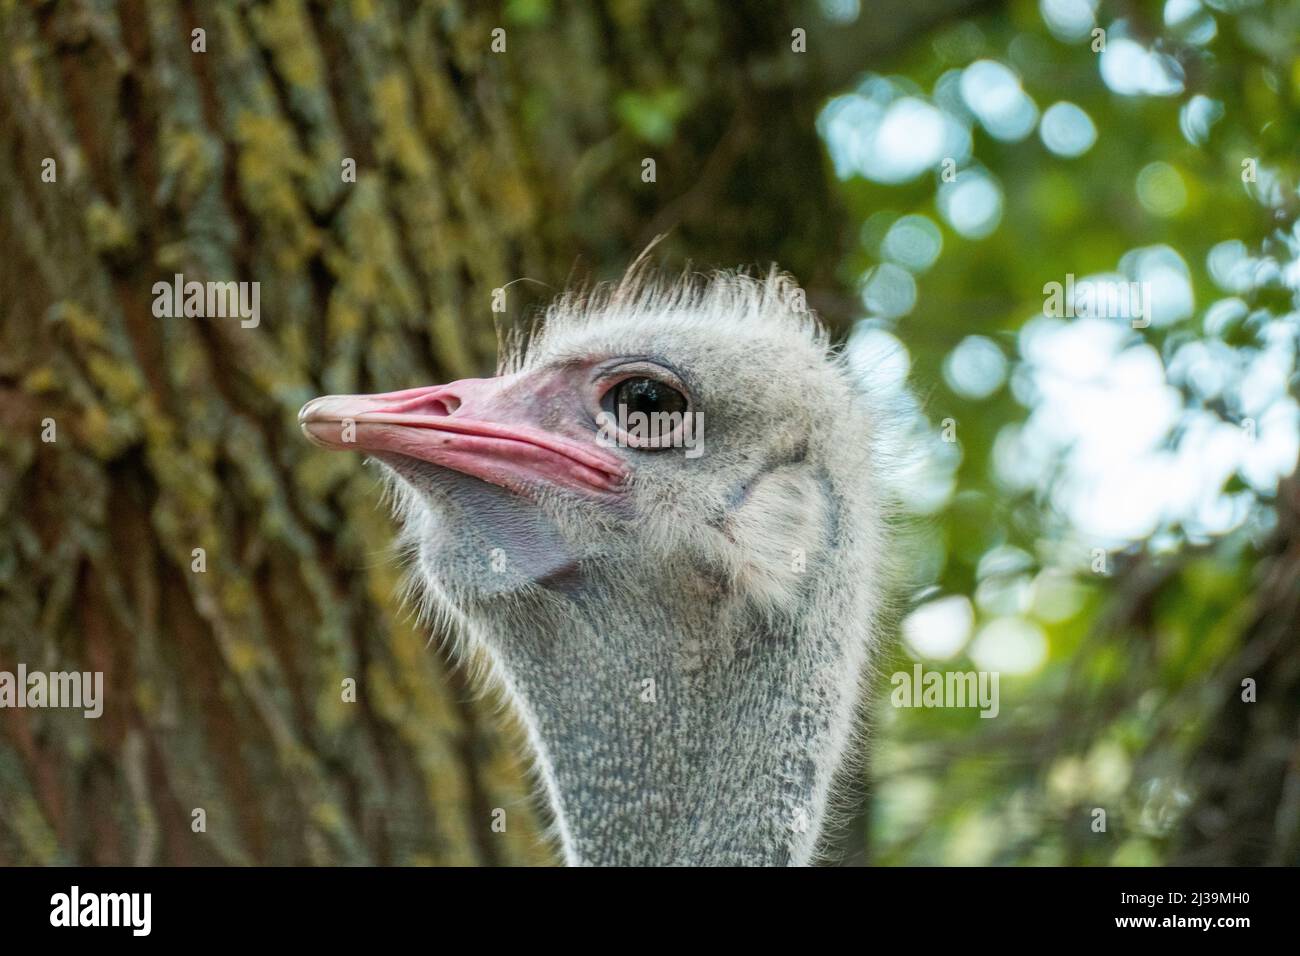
(682, 631)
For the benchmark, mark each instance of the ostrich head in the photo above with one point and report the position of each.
(680, 614)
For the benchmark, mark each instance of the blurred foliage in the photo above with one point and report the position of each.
(1145, 648)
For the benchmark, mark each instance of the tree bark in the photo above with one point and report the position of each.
(224, 686)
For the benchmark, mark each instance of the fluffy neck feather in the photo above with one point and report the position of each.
(725, 759)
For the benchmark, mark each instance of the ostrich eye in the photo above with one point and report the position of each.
(644, 395)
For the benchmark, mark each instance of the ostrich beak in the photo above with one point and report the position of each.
(474, 426)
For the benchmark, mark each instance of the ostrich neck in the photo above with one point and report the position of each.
(669, 738)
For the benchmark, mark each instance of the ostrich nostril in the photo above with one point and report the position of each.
(437, 400)
(441, 406)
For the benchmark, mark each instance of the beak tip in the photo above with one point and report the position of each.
(310, 422)
(305, 412)
(310, 435)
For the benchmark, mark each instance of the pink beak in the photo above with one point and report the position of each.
(469, 426)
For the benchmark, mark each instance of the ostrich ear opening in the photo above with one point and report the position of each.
(779, 535)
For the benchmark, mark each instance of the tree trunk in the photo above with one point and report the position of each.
(165, 523)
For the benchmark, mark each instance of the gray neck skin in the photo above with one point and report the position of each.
(728, 764)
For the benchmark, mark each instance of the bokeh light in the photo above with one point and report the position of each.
(1067, 130)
